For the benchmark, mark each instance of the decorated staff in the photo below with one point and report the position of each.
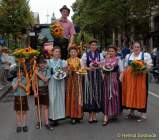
(22, 86)
(24, 56)
(36, 91)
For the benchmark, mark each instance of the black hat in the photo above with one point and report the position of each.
(93, 41)
(65, 8)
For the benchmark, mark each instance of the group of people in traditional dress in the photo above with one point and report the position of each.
(97, 91)
(107, 91)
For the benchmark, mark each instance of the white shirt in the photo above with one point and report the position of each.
(147, 58)
(84, 59)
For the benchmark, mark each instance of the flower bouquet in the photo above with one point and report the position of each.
(59, 74)
(56, 30)
(138, 66)
(82, 71)
(95, 64)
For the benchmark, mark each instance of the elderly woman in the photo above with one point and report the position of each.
(135, 85)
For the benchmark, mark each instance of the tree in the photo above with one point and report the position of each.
(15, 17)
(114, 16)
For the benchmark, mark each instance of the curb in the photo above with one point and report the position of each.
(4, 91)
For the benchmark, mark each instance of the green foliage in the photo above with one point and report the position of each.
(87, 37)
(15, 16)
(109, 15)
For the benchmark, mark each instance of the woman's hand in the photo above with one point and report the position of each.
(35, 94)
(148, 67)
(21, 85)
(90, 68)
(121, 77)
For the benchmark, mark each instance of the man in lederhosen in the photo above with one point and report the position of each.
(69, 32)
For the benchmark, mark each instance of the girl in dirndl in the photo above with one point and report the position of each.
(56, 88)
(74, 92)
(93, 81)
(135, 86)
(110, 97)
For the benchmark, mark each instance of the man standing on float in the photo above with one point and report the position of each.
(69, 32)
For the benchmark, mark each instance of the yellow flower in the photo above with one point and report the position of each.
(56, 29)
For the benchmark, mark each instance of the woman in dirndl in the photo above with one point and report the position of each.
(56, 88)
(93, 81)
(74, 92)
(135, 85)
(110, 98)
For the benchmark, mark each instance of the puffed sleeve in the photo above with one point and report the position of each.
(101, 57)
(2, 58)
(64, 63)
(148, 59)
(120, 64)
(126, 60)
(83, 59)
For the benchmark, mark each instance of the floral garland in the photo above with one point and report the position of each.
(22, 55)
(25, 53)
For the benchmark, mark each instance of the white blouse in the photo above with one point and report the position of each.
(84, 59)
(147, 58)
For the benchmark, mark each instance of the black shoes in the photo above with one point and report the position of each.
(73, 121)
(49, 127)
(20, 129)
(25, 129)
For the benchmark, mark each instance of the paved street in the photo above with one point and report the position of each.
(116, 130)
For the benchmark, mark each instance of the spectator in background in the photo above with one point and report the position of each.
(119, 53)
(0, 54)
(125, 49)
(1, 69)
(5, 59)
(154, 56)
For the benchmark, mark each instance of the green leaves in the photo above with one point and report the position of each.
(107, 15)
(15, 16)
